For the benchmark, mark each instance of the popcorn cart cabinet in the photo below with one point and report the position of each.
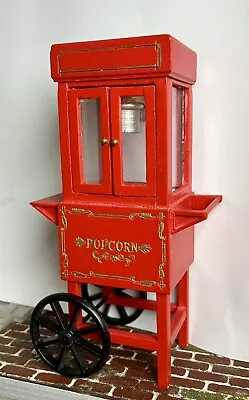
(127, 212)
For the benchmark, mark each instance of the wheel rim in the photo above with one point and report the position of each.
(69, 348)
(113, 314)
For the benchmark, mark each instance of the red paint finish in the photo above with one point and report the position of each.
(133, 189)
(119, 234)
(117, 246)
(77, 140)
(148, 55)
(49, 207)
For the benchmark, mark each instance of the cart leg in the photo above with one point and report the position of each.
(74, 288)
(183, 300)
(163, 340)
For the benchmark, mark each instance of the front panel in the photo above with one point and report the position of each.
(89, 129)
(133, 132)
(119, 247)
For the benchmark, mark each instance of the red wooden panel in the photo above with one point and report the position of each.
(79, 184)
(181, 255)
(161, 55)
(134, 188)
(113, 246)
(66, 165)
(108, 59)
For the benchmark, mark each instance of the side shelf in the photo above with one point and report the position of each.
(192, 210)
(48, 207)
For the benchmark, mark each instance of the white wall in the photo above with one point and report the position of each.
(30, 167)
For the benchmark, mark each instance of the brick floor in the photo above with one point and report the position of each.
(130, 373)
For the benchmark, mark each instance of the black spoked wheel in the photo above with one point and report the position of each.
(113, 314)
(69, 347)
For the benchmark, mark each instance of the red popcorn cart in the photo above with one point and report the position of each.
(127, 212)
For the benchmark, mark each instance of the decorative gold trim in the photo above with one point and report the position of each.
(92, 274)
(145, 248)
(161, 227)
(159, 55)
(161, 267)
(156, 65)
(130, 216)
(141, 215)
(63, 241)
(80, 242)
(113, 257)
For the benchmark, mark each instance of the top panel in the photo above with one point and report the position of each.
(157, 55)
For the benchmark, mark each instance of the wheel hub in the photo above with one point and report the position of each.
(66, 337)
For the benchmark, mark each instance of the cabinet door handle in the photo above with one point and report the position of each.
(104, 141)
(114, 142)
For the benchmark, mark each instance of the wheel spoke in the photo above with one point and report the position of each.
(106, 309)
(60, 361)
(79, 358)
(64, 340)
(60, 316)
(88, 346)
(100, 303)
(87, 317)
(86, 330)
(75, 316)
(122, 312)
(46, 322)
(48, 341)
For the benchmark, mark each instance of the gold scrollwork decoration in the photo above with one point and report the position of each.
(161, 268)
(113, 257)
(162, 265)
(63, 241)
(141, 215)
(91, 274)
(145, 248)
(130, 216)
(81, 211)
(161, 227)
(79, 241)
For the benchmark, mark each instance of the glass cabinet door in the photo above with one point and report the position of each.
(133, 140)
(178, 136)
(90, 140)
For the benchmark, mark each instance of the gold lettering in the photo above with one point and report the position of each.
(106, 243)
(109, 245)
(113, 245)
(96, 244)
(103, 243)
(119, 246)
(134, 247)
(89, 242)
(127, 247)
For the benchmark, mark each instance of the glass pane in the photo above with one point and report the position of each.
(177, 137)
(133, 139)
(91, 138)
